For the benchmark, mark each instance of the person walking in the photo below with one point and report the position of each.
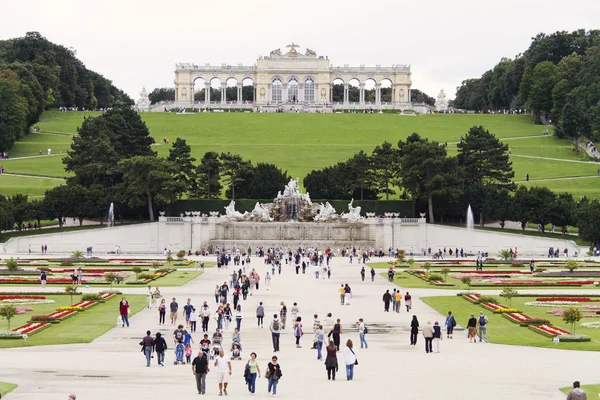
(260, 315)
(320, 337)
(428, 335)
(223, 364)
(342, 292)
(331, 362)
(160, 345)
(253, 371)
(158, 297)
(283, 314)
(372, 274)
(347, 294)
(398, 300)
(577, 393)
(147, 344)
(414, 330)
(350, 360)
(408, 302)
(450, 324)
(387, 298)
(275, 329)
(273, 375)
(437, 336)
(173, 308)
(162, 312)
(295, 311)
(362, 273)
(482, 322)
(362, 330)
(238, 317)
(43, 278)
(124, 311)
(149, 296)
(298, 331)
(472, 329)
(336, 332)
(200, 369)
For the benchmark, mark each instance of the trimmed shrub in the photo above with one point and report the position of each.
(488, 299)
(574, 338)
(91, 297)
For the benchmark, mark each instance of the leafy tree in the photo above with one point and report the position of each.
(572, 265)
(111, 278)
(162, 94)
(466, 280)
(575, 122)
(59, 202)
(328, 183)
(571, 316)
(70, 290)
(508, 293)
(505, 254)
(261, 182)
(384, 162)
(8, 312)
(360, 173)
(19, 209)
(542, 83)
(13, 110)
(208, 173)
(180, 254)
(77, 255)
(148, 180)
(588, 221)
(235, 170)
(6, 214)
(12, 265)
(180, 155)
(137, 271)
(337, 93)
(534, 205)
(426, 171)
(417, 96)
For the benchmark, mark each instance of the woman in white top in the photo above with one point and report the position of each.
(238, 317)
(350, 360)
(295, 311)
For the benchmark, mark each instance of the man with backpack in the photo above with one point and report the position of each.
(482, 322)
(275, 332)
(450, 324)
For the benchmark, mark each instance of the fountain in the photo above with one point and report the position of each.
(111, 215)
(470, 219)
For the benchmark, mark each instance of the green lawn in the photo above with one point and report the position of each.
(176, 278)
(6, 388)
(406, 280)
(300, 143)
(592, 391)
(81, 328)
(502, 331)
(34, 187)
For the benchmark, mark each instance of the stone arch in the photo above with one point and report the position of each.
(387, 90)
(215, 88)
(354, 90)
(310, 89)
(338, 86)
(276, 89)
(248, 91)
(370, 90)
(293, 92)
(199, 88)
(231, 90)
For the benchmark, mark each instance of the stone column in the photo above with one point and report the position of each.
(284, 92)
(300, 92)
(207, 93)
(378, 94)
(239, 93)
(223, 92)
(362, 94)
(346, 93)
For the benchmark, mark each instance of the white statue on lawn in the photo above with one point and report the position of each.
(325, 212)
(230, 212)
(353, 213)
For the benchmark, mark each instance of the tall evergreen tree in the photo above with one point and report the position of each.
(385, 165)
(208, 177)
(235, 170)
(180, 155)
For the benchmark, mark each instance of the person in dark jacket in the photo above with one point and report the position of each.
(387, 298)
(160, 345)
(414, 330)
(331, 362)
(124, 311)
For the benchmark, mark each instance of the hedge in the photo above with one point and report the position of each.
(379, 207)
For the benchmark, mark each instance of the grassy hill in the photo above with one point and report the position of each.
(300, 143)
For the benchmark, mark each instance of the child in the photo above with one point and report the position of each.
(437, 336)
(193, 320)
(188, 353)
(187, 339)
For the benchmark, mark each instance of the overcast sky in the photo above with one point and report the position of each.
(137, 43)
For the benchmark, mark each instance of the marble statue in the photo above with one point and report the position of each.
(311, 53)
(261, 212)
(143, 103)
(353, 213)
(291, 189)
(230, 212)
(441, 103)
(292, 46)
(325, 212)
(276, 52)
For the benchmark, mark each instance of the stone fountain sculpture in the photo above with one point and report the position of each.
(231, 214)
(325, 212)
(353, 213)
(261, 213)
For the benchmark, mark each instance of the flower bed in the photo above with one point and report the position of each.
(553, 303)
(107, 296)
(506, 310)
(19, 297)
(473, 298)
(24, 302)
(84, 304)
(32, 328)
(548, 330)
(575, 299)
(593, 325)
(76, 308)
(54, 317)
(23, 310)
(517, 318)
(493, 307)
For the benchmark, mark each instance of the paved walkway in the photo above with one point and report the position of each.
(113, 368)
(33, 176)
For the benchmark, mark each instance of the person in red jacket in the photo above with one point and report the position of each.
(124, 311)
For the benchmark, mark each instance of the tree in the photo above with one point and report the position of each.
(77, 255)
(59, 202)
(426, 172)
(137, 271)
(208, 174)
(180, 155)
(328, 183)
(70, 290)
(505, 254)
(508, 293)
(540, 93)
(262, 181)
(180, 254)
(575, 122)
(149, 180)
(571, 316)
(587, 216)
(8, 312)
(6, 214)
(360, 173)
(235, 170)
(384, 161)
(572, 265)
(13, 110)
(111, 278)
(162, 94)
(12, 265)
(416, 96)
(466, 280)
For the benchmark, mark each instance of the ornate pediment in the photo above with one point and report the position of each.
(293, 52)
